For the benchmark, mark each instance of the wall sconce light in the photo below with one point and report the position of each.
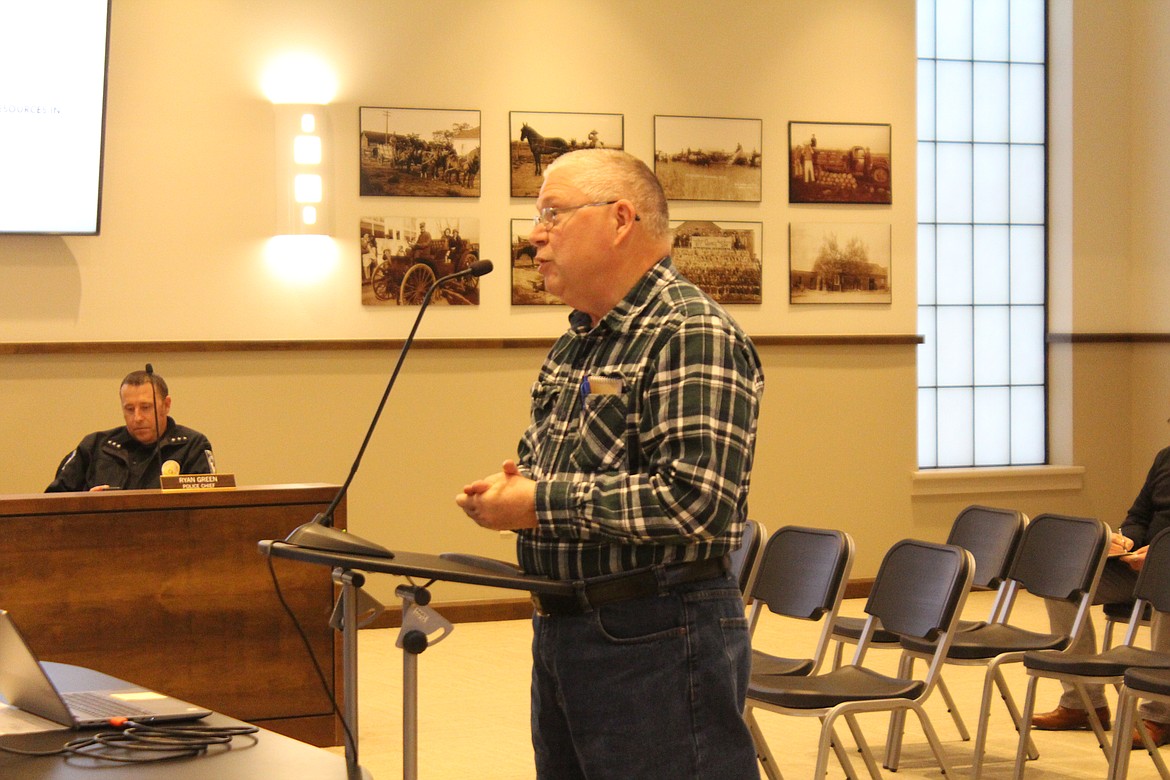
(304, 180)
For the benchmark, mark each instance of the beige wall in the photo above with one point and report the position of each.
(188, 209)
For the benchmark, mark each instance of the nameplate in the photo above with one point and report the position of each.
(198, 481)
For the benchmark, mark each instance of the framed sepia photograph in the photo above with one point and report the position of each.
(423, 152)
(839, 163)
(721, 258)
(402, 257)
(838, 262)
(538, 138)
(709, 158)
(527, 283)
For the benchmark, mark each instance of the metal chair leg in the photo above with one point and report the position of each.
(933, 740)
(1094, 721)
(981, 728)
(1025, 728)
(1122, 725)
(1152, 749)
(1010, 702)
(763, 752)
(952, 709)
(863, 746)
(830, 739)
(897, 727)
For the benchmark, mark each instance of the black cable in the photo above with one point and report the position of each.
(154, 743)
(350, 743)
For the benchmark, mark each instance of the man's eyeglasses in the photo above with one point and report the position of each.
(547, 216)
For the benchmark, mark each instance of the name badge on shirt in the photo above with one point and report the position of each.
(601, 385)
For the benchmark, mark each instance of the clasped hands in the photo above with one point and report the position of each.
(504, 501)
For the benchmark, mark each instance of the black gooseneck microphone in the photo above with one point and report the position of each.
(319, 533)
(154, 401)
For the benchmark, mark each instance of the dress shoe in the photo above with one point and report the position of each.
(1068, 719)
(1159, 733)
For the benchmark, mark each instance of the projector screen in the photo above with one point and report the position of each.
(53, 57)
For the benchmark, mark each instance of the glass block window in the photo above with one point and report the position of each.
(982, 175)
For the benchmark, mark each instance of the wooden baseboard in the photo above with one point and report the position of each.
(521, 609)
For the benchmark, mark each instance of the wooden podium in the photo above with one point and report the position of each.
(166, 589)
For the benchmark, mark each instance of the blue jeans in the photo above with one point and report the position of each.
(646, 688)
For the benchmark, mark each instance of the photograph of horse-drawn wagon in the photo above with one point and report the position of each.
(403, 256)
(419, 152)
(538, 138)
(709, 158)
(839, 163)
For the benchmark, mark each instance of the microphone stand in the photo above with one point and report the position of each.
(154, 412)
(319, 533)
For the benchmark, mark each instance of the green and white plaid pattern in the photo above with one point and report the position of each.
(654, 464)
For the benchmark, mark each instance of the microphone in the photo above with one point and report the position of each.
(154, 402)
(319, 533)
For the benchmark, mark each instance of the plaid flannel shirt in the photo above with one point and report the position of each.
(642, 435)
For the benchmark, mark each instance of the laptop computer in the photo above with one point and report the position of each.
(26, 686)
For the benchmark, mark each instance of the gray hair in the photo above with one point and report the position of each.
(609, 174)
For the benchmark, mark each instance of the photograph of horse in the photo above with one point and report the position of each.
(537, 139)
(709, 158)
(421, 152)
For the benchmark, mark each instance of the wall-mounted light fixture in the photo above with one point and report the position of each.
(304, 179)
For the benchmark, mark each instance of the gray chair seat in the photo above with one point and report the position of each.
(849, 683)
(1153, 681)
(992, 640)
(1111, 663)
(851, 628)
(764, 665)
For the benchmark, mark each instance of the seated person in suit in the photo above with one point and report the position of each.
(1149, 514)
(131, 456)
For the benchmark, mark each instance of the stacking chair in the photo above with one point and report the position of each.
(1138, 684)
(919, 592)
(802, 575)
(1060, 557)
(1107, 667)
(991, 535)
(1118, 612)
(746, 557)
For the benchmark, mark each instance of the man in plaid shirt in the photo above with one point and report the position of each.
(632, 483)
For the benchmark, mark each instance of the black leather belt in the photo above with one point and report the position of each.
(600, 591)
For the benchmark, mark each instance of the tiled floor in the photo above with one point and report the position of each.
(473, 710)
